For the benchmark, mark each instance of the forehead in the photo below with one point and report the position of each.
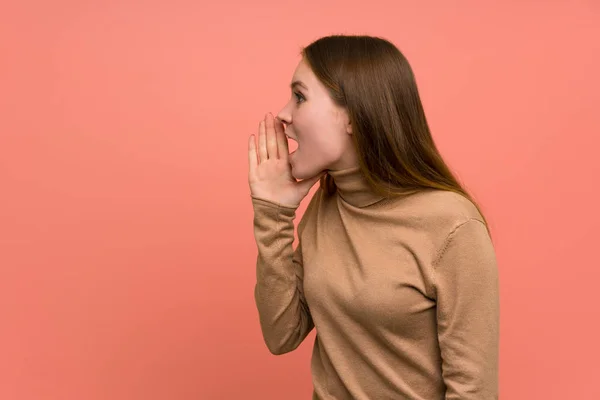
(304, 73)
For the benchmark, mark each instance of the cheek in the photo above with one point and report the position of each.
(320, 136)
(312, 124)
(321, 147)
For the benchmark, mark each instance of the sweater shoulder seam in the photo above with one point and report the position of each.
(448, 240)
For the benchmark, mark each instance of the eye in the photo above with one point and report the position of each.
(299, 97)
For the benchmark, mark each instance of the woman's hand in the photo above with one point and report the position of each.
(270, 174)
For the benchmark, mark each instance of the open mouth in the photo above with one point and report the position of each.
(293, 148)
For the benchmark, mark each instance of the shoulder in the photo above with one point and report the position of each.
(442, 209)
(433, 215)
(447, 207)
(454, 220)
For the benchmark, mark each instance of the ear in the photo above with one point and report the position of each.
(347, 122)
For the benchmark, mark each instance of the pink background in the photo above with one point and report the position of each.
(126, 247)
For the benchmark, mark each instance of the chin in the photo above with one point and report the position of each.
(306, 170)
(301, 174)
(298, 174)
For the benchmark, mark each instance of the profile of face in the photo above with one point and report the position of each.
(320, 127)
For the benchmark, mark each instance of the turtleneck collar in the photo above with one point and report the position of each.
(353, 187)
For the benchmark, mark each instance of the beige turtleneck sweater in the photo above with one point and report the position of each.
(403, 293)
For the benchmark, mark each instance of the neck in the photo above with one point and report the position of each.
(353, 188)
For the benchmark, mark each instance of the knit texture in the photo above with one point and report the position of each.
(403, 293)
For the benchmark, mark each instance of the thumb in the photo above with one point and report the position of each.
(306, 184)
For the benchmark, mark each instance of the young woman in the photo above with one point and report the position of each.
(394, 267)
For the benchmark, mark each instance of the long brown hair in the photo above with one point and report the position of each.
(374, 82)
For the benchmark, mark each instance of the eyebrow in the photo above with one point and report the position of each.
(298, 83)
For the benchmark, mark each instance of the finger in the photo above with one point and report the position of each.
(262, 142)
(271, 137)
(252, 156)
(282, 143)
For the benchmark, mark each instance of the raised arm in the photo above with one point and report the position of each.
(284, 316)
(276, 194)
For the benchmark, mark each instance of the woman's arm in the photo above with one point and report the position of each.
(284, 316)
(467, 292)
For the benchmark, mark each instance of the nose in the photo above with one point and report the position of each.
(285, 116)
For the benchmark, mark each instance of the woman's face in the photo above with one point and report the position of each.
(319, 126)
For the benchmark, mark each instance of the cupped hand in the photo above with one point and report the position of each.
(270, 173)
